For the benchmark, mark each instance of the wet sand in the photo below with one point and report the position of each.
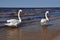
(31, 32)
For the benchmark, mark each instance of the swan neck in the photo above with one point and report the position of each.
(19, 16)
(46, 16)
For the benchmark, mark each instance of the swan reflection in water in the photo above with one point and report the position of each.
(44, 28)
(48, 34)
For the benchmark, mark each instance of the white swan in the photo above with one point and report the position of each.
(44, 21)
(14, 22)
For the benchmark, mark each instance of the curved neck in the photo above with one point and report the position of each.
(19, 16)
(46, 16)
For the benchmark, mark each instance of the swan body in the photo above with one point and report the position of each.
(14, 22)
(44, 21)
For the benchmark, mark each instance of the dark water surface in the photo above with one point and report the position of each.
(30, 28)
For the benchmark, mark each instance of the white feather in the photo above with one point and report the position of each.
(44, 21)
(14, 22)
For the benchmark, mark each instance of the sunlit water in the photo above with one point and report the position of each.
(30, 28)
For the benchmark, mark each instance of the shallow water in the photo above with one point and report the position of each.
(30, 28)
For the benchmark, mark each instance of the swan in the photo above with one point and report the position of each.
(44, 21)
(14, 22)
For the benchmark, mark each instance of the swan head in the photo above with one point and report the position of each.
(47, 11)
(20, 10)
